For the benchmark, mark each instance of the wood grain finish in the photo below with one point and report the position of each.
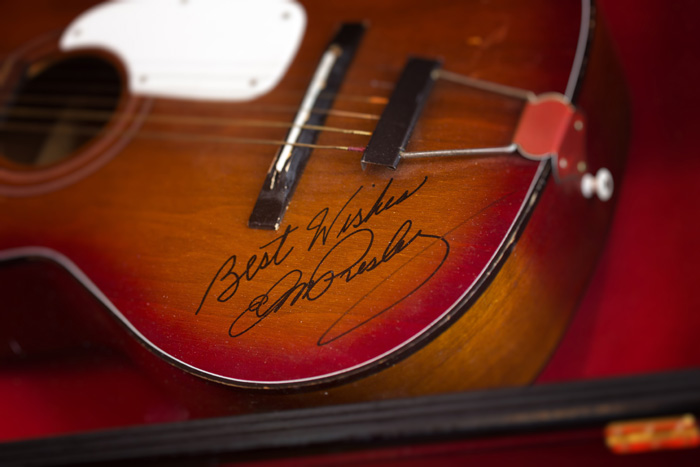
(155, 221)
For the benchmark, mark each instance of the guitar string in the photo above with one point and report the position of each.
(101, 116)
(97, 100)
(65, 80)
(62, 84)
(89, 99)
(173, 136)
(193, 137)
(95, 115)
(105, 116)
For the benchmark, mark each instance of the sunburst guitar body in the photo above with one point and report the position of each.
(295, 198)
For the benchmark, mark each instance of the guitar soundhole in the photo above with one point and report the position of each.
(56, 109)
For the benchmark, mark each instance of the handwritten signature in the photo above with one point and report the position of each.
(349, 257)
(317, 223)
(253, 266)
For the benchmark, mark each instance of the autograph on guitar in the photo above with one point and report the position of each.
(381, 197)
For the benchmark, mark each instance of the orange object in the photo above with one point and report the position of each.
(653, 434)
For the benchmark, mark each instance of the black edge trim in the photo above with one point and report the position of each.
(589, 44)
(375, 424)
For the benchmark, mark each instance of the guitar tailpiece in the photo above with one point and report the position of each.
(550, 126)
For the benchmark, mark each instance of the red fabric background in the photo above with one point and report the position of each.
(639, 315)
(642, 310)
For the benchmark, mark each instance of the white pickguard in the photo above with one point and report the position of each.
(230, 50)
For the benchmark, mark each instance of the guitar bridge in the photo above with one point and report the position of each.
(401, 113)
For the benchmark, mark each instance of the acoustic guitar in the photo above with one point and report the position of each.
(360, 199)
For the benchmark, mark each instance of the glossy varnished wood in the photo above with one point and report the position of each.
(152, 225)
